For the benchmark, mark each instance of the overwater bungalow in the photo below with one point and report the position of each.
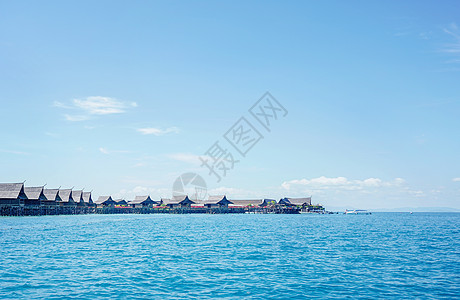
(121, 202)
(295, 201)
(105, 201)
(77, 197)
(52, 197)
(216, 201)
(35, 196)
(177, 201)
(87, 199)
(143, 201)
(12, 194)
(66, 197)
(269, 202)
(246, 203)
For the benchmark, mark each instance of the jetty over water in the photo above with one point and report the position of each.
(18, 200)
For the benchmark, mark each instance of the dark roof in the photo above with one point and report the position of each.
(142, 199)
(253, 202)
(121, 201)
(66, 195)
(215, 200)
(51, 194)
(297, 201)
(11, 190)
(103, 199)
(176, 200)
(34, 193)
(180, 198)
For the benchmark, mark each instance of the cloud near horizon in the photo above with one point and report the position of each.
(157, 131)
(93, 105)
(343, 183)
(457, 179)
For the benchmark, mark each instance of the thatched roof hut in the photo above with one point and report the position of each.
(143, 201)
(295, 201)
(12, 194)
(177, 201)
(246, 203)
(66, 197)
(105, 201)
(216, 201)
(268, 202)
(52, 196)
(77, 197)
(121, 201)
(34, 195)
(87, 199)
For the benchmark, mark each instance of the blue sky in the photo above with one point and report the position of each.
(122, 98)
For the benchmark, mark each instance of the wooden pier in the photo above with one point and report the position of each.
(77, 210)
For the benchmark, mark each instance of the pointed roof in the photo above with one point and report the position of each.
(121, 201)
(216, 200)
(177, 200)
(87, 197)
(296, 201)
(143, 200)
(139, 199)
(77, 195)
(180, 198)
(247, 202)
(34, 193)
(12, 191)
(66, 195)
(52, 194)
(105, 200)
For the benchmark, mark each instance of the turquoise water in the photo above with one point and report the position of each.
(384, 255)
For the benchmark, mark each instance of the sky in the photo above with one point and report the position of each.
(123, 97)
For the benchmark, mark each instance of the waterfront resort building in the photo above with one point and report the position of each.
(216, 201)
(105, 201)
(12, 194)
(66, 197)
(87, 199)
(143, 201)
(295, 201)
(246, 203)
(34, 195)
(177, 201)
(77, 197)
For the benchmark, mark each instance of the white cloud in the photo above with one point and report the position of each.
(158, 131)
(185, 157)
(93, 105)
(323, 182)
(453, 47)
(103, 150)
(14, 152)
(457, 179)
(75, 118)
(154, 193)
(107, 151)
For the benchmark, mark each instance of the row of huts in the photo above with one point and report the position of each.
(16, 194)
(212, 201)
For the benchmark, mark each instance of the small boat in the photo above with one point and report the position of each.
(357, 212)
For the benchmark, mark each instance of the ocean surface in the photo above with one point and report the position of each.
(383, 255)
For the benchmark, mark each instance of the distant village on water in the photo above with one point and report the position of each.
(18, 200)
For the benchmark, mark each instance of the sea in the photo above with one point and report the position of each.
(231, 256)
